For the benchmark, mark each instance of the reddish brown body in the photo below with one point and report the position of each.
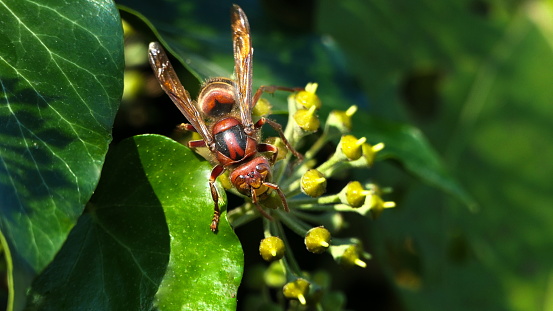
(232, 143)
(229, 134)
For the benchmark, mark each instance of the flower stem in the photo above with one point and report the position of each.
(296, 225)
(289, 261)
(327, 199)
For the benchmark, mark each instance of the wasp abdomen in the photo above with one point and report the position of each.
(217, 97)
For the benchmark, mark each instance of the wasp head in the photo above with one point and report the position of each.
(251, 176)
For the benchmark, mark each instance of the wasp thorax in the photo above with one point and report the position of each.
(232, 143)
(217, 97)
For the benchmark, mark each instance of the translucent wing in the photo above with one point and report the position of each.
(243, 54)
(170, 83)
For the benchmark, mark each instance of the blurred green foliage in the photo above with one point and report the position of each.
(475, 76)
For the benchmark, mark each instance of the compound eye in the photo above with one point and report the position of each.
(240, 181)
(263, 170)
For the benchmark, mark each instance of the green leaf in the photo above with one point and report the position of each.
(61, 69)
(205, 268)
(146, 230)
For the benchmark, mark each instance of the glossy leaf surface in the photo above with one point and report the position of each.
(61, 69)
(146, 230)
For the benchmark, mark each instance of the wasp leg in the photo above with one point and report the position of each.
(215, 172)
(196, 144)
(278, 128)
(268, 148)
(186, 127)
(259, 208)
(271, 89)
(280, 193)
(192, 143)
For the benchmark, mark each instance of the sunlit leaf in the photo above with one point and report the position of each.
(146, 230)
(61, 68)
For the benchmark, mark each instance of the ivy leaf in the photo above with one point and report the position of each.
(204, 268)
(146, 230)
(61, 79)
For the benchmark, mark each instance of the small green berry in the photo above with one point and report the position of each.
(307, 120)
(313, 183)
(271, 248)
(297, 289)
(317, 240)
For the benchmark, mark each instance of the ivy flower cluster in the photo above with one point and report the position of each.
(314, 214)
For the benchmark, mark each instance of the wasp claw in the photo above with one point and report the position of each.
(215, 222)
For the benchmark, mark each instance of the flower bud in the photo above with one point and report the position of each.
(313, 183)
(370, 151)
(262, 108)
(341, 119)
(134, 84)
(307, 120)
(308, 98)
(297, 289)
(355, 194)
(225, 180)
(378, 205)
(271, 248)
(275, 275)
(351, 255)
(317, 240)
(352, 147)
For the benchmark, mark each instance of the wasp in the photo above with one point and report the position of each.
(222, 116)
